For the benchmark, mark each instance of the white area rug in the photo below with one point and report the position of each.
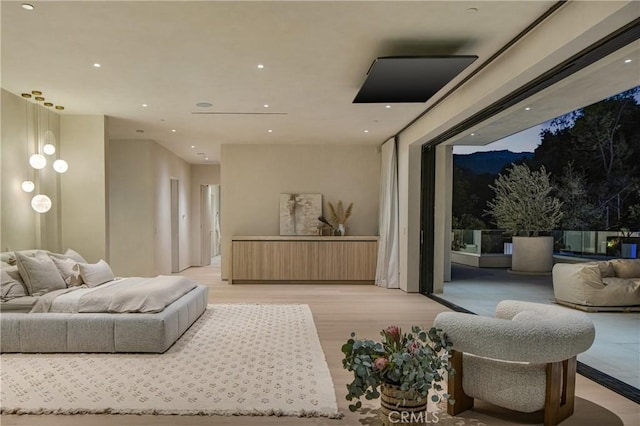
(235, 360)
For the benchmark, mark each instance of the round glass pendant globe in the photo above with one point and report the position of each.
(49, 149)
(41, 203)
(37, 161)
(60, 166)
(28, 186)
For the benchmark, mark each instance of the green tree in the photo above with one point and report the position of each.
(603, 140)
(523, 201)
(572, 190)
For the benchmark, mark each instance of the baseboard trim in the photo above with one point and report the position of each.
(595, 375)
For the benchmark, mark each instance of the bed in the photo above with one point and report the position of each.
(91, 311)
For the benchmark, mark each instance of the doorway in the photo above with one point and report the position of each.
(215, 221)
(205, 225)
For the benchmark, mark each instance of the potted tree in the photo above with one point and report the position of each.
(523, 205)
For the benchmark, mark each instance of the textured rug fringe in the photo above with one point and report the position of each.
(163, 412)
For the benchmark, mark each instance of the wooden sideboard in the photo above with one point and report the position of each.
(303, 259)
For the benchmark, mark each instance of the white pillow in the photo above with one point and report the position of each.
(39, 273)
(94, 274)
(67, 269)
(72, 254)
(12, 285)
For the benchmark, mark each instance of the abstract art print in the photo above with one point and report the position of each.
(299, 213)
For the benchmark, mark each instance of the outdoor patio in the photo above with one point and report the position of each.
(616, 350)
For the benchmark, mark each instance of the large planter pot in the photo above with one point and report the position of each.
(533, 255)
(396, 405)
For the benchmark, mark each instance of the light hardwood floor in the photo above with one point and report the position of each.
(337, 311)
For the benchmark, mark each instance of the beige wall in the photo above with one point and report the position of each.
(253, 177)
(84, 186)
(140, 173)
(131, 208)
(168, 166)
(24, 126)
(201, 174)
(574, 27)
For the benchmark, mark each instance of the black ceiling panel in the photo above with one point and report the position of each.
(409, 79)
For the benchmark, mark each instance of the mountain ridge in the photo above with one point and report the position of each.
(490, 162)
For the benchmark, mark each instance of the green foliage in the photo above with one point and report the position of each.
(467, 221)
(572, 191)
(457, 245)
(602, 140)
(602, 144)
(522, 202)
(414, 361)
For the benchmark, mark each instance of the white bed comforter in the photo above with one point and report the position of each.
(143, 295)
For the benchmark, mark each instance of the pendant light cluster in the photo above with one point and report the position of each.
(40, 202)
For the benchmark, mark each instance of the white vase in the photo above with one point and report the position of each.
(341, 230)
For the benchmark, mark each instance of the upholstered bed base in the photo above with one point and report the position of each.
(102, 332)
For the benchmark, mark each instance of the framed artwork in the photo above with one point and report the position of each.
(299, 213)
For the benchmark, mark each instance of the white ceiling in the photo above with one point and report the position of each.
(172, 55)
(609, 76)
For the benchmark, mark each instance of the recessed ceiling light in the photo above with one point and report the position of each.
(145, 105)
(527, 109)
(206, 158)
(27, 6)
(260, 66)
(366, 131)
(266, 105)
(204, 104)
(97, 65)
(193, 146)
(473, 134)
(173, 130)
(387, 106)
(270, 131)
(627, 61)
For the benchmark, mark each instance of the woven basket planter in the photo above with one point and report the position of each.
(397, 405)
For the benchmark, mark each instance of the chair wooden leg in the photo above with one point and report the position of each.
(462, 401)
(560, 391)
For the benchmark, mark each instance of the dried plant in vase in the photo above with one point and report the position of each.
(338, 216)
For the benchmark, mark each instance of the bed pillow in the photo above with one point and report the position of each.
(39, 273)
(12, 285)
(67, 270)
(9, 257)
(94, 274)
(72, 254)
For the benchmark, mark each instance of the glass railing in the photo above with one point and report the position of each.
(479, 241)
(591, 244)
(596, 244)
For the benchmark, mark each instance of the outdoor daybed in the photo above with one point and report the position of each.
(612, 285)
(81, 307)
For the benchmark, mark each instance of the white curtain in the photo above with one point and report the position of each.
(387, 271)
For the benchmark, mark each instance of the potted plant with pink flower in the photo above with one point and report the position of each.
(405, 367)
